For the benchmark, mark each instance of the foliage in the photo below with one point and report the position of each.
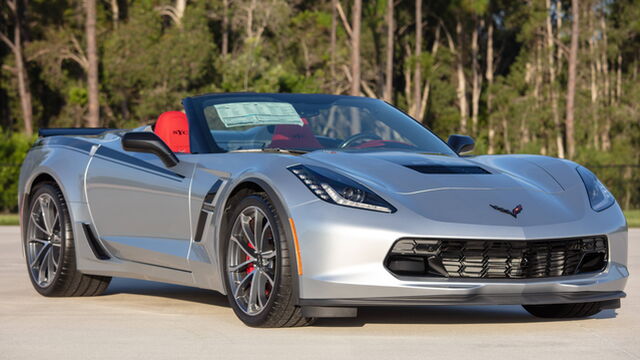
(13, 149)
(149, 59)
(633, 218)
(9, 219)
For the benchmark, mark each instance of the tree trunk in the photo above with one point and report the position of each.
(407, 77)
(225, 28)
(505, 135)
(426, 90)
(489, 74)
(92, 73)
(619, 79)
(249, 25)
(22, 75)
(552, 83)
(462, 83)
(571, 81)
(594, 68)
(355, 47)
(115, 13)
(606, 138)
(476, 80)
(332, 46)
(558, 35)
(417, 73)
(24, 90)
(388, 82)
(181, 5)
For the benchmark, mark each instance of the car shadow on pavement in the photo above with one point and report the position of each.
(497, 314)
(177, 292)
(487, 314)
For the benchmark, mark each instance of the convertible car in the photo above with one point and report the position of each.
(304, 206)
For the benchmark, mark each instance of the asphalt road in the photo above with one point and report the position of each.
(140, 319)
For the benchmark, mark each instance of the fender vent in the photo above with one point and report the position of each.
(94, 244)
(448, 169)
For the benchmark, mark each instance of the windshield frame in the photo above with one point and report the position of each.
(203, 142)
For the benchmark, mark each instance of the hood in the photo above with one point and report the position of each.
(459, 189)
(406, 173)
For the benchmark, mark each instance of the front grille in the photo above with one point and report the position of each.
(506, 259)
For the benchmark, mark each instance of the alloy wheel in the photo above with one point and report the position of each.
(44, 240)
(251, 260)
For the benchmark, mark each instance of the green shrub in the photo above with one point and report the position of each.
(13, 149)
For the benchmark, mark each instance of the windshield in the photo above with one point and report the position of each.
(307, 122)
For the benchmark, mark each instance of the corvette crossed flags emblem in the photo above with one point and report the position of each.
(514, 212)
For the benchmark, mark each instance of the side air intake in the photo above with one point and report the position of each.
(94, 244)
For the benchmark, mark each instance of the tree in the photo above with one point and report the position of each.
(15, 12)
(491, 131)
(417, 73)
(355, 47)
(225, 28)
(388, 82)
(571, 81)
(551, 63)
(92, 58)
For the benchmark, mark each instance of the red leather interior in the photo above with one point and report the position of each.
(294, 137)
(173, 128)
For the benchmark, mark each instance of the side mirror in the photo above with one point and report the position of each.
(461, 144)
(148, 142)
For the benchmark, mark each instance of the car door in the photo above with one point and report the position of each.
(139, 207)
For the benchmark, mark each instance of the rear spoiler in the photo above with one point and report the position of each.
(72, 131)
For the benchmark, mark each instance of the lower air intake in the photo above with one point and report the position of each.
(498, 259)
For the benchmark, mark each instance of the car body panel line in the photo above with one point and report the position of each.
(119, 157)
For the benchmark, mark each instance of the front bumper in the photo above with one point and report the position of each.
(608, 297)
(343, 252)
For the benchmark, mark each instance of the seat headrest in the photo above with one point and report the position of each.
(173, 128)
(294, 136)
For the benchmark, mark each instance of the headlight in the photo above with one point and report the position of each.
(599, 197)
(338, 189)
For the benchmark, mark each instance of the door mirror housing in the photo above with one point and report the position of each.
(461, 144)
(148, 142)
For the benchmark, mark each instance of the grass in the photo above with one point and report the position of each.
(633, 218)
(9, 219)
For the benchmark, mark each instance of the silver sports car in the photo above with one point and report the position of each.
(301, 206)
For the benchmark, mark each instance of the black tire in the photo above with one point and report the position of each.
(65, 280)
(559, 311)
(280, 309)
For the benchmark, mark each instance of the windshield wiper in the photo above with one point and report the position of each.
(274, 150)
(434, 153)
(281, 150)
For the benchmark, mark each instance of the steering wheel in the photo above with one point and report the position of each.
(348, 142)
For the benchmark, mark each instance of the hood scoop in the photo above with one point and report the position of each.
(448, 169)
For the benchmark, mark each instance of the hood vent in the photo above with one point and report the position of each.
(448, 169)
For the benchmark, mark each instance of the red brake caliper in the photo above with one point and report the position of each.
(249, 267)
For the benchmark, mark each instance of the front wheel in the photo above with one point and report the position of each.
(558, 311)
(258, 277)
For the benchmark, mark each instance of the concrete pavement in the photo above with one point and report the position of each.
(140, 319)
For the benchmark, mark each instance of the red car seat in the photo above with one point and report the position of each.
(294, 137)
(173, 128)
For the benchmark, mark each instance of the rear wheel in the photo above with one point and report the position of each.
(557, 311)
(49, 248)
(258, 277)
